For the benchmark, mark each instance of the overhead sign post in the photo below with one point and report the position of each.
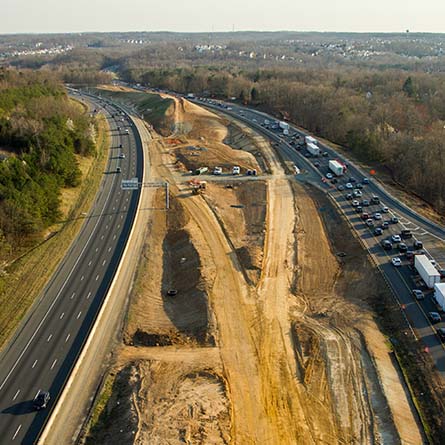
(134, 184)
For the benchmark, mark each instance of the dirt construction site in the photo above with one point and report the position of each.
(244, 326)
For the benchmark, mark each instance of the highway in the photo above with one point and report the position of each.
(401, 280)
(45, 347)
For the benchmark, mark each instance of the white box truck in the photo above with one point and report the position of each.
(337, 167)
(313, 149)
(439, 295)
(310, 140)
(430, 275)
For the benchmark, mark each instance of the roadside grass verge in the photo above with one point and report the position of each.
(26, 277)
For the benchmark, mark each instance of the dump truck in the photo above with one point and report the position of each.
(337, 167)
(430, 275)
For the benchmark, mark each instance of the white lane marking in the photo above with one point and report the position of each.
(79, 314)
(34, 364)
(114, 236)
(109, 249)
(97, 277)
(103, 263)
(89, 264)
(38, 392)
(72, 296)
(16, 394)
(106, 227)
(97, 248)
(49, 338)
(126, 200)
(114, 208)
(16, 432)
(54, 363)
(122, 216)
(62, 315)
(119, 226)
(67, 337)
(59, 293)
(81, 278)
(89, 295)
(102, 237)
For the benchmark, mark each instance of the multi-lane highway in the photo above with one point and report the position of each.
(400, 279)
(48, 342)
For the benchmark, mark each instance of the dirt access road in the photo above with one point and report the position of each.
(298, 363)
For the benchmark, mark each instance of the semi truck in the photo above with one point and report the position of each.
(313, 149)
(337, 167)
(430, 275)
(439, 295)
(310, 140)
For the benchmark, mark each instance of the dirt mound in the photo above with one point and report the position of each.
(159, 319)
(162, 403)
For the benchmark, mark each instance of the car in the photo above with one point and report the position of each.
(403, 248)
(365, 181)
(385, 209)
(370, 222)
(341, 187)
(396, 239)
(418, 294)
(236, 170)
(386, 244)
(377, 216)
(406, 233)
(378, 231)
(41, 400)
(441, 273)
(316, 164)
(217, 171)
(409, 254)
(329, 175)
(325, 154)
(120, 145)
(365, 203)
(355, 203)
(118, 169)
(417, 244)
(385, 225)
(357, 193)
(365, 216)
(172, 292)
(351, 179)
(441, 333)
(334, 181)
(359, 209)
(394, 220)
(121, 156)
(434, 317)
(348, 196)
(358, 186)
(349, 185)
(396, 261)
(375, 200)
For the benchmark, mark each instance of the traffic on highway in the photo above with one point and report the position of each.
(392, 232)
(39, 359)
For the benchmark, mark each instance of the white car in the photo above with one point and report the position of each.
(385, 210)
(377, 216)
(349, 185)
(357, 193)
(355, 203)
(217, 171)
(329, 175)
(121, 156)
(236, 170)
(396, 239)
(396, 262)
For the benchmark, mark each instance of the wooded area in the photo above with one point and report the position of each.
(41, 131)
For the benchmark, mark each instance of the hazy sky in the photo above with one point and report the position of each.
(201, 15)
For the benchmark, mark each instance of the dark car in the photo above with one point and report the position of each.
(351, 179)
(334, 181)
(172, 292)
(434, 317)
(378, 231)
(341, 187)
(409, 254)
(365, 203)
(385, 225)
(365, 216)
(403, 248)
(359, 186)
(41, 400)
(394, 220)
(349, 196)
(406, 233)
(375, 200)
(365, 181)
(386, 244)
(317, 164)
(325, 154)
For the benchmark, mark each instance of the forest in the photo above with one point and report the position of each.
(41, 132)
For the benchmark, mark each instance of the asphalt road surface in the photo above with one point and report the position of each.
(402, 280)
(48, 342)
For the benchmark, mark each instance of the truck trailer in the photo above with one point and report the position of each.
(313, 149)
(439, 295)
(310, 140)
(337, 167)
(430, 275)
